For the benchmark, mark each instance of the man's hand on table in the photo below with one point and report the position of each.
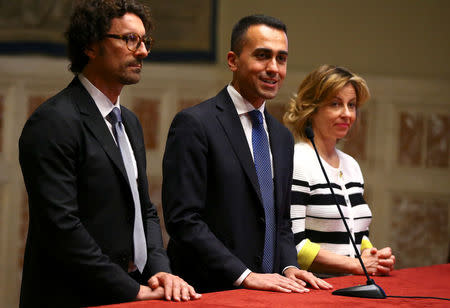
(302, 277)
(272, 282)
(168, 286)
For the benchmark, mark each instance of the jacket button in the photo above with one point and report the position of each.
(262, 220)
(258, 260)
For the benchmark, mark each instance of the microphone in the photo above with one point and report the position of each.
(371, 289)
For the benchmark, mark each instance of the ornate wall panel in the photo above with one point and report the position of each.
(148, 113)
(420, 228)
(438, 139)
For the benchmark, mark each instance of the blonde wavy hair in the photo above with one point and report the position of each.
(315, 90)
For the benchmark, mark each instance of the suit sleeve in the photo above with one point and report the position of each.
(287, 246)
(157, 260)
(49, 153)
(185, 184)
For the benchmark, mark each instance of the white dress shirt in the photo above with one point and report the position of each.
(105, 106)
(243, 107)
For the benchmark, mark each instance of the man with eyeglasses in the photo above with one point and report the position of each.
(94, 236)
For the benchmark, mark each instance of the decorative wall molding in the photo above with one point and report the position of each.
(169, 87)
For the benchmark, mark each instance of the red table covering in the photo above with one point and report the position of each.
(421, 281)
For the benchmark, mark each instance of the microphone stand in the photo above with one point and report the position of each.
(371, 289)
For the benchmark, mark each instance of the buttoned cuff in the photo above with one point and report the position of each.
(289, 266)
(241, 278)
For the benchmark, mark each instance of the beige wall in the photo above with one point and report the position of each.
(383, 37)
(400, 47)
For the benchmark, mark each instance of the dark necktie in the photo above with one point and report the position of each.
(140, 246)
(261, 155)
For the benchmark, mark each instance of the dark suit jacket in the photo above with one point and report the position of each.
(80, 236)
(211, 199)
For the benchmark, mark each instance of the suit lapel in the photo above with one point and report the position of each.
(232, 126)
(94, 121)
(133, 133)
(277, 150)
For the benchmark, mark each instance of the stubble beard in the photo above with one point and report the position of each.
(131, 76)
(129, 80)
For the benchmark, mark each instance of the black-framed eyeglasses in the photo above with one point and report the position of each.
(133, 40)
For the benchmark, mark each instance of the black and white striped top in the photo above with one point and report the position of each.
(314, 214)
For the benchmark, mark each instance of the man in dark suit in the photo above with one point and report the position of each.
(227, 173)
(94, 236)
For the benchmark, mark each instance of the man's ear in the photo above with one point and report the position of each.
(91, 50)
(233, 60)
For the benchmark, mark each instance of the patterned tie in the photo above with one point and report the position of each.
(140, 246)
(263, 167)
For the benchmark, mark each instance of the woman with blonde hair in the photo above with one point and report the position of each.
(328, 101)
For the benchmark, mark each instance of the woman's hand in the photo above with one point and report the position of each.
(377, 262)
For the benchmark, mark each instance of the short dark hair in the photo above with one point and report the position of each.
(91, 20)
(241, 27)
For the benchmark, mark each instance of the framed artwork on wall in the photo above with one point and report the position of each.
(184, 30)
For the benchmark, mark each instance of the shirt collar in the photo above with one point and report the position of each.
(241, 104)
(103, 103)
